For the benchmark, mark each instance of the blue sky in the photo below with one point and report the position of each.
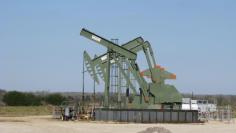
(41, 49)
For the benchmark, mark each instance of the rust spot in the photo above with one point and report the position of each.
(141, 73)
(172, 76)
(157, 66)
(162, 68)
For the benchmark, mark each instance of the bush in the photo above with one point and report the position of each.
(14, 98)
(55, 99)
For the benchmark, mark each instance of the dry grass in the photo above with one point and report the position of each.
(234, 110)
(25, 110)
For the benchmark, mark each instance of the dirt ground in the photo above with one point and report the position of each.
(45, 124)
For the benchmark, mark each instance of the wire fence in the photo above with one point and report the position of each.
(223, 114)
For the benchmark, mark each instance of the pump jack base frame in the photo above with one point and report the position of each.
(146, 115)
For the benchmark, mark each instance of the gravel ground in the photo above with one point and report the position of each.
(45, 124)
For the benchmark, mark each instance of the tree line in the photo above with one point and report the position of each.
(220, 100)
(15, 98)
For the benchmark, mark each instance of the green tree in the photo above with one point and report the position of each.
(55, 99)
(15, 98)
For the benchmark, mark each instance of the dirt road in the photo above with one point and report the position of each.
(44, 124)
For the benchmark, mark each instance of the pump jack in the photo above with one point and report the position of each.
(152, 95)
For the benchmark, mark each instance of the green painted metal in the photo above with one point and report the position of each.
(108, 44)
(149, 63)
(165, 93)
(125, 76)
(134, 45)
(151, 53)
(101, 70)
(107, 82)
(90, 67)
(152, 95)
(142, 83)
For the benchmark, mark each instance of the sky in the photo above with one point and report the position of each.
(41, 49)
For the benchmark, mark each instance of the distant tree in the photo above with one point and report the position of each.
(2, 91)
(55, 99)
(87, 98)
(32, 100)
(14, 98)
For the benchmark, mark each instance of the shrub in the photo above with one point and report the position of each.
(14, 98)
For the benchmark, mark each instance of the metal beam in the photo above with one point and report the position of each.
(107, 82)
(129, 45)
(142, 83)
(108, 44)
(125, 76)
(90, 66)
